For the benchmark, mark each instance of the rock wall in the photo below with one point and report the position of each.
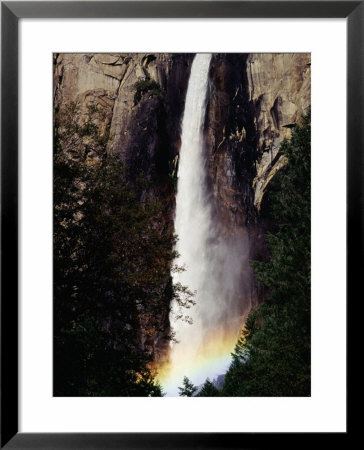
(279, 89)
(255, 101)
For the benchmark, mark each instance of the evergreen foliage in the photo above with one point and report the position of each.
(188, 389)
(208, 390)
(112, 262)
(272, 356)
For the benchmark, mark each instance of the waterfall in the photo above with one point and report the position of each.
(212, 261)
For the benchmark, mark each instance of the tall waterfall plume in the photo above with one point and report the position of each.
(213, 262)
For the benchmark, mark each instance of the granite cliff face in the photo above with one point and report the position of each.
(255, 101)
(137, 102)
(143, 129)
(279, 87)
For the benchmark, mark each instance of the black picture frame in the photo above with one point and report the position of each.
(11, 12)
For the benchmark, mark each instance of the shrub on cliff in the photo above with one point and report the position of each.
(144, 86)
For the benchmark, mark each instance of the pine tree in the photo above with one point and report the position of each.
(272, 358)
(188, 389)
(208, 390)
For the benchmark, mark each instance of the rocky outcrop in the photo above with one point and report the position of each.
(279, 89)
(91, 81)
(255, 101)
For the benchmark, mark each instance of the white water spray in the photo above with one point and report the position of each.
(213, 262)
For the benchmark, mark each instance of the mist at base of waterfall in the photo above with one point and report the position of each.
(216, 266)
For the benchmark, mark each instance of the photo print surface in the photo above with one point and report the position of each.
(181, 224)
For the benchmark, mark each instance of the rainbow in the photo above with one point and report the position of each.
(211, 359)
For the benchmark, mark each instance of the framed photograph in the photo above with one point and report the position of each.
(193, 231)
